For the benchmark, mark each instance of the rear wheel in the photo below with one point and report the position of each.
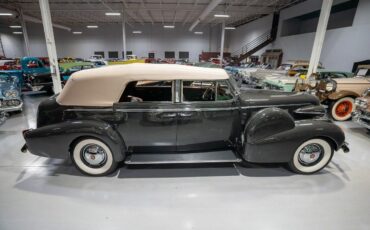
(93, 157)
(311, 156)
(342, 109)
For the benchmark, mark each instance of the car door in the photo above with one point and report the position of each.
(207, 118)
(148, 118)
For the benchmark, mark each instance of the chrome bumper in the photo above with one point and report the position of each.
(12, 108)
(361, 118)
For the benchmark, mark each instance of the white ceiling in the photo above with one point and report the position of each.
(184, 12)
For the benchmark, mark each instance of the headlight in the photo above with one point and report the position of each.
(11, 93)
(329, 86)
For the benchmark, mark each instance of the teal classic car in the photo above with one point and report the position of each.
(34, 75)
(66, 73)
(287, 84)
(10, 93)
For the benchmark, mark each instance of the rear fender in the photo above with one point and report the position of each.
(279, 145)
(55, 141)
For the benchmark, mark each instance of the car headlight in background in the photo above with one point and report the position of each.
(331, 86)
(11, 93)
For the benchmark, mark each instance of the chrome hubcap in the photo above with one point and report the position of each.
(310, 154)
(94, 155)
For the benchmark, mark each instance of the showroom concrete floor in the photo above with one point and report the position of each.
(40, 193)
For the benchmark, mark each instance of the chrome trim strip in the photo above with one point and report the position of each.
(89, 110)
(129, 162)
(177, 110)
(268, 106)
(136, 110)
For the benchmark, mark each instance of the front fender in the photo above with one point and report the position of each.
(55, 140)
(341, 94)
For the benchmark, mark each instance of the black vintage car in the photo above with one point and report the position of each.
(158, 114)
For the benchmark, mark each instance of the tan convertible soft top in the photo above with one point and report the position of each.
(104, 86)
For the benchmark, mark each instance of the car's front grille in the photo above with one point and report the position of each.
(9, 103)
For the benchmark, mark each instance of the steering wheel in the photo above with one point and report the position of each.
(208, 94)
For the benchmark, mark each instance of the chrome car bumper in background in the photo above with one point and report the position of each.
(11, 108)
(362, 118)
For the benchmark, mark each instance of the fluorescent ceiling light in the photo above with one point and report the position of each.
(15, 27)
(77, 32)
(230, 28)
(222, 15)
(136, 32)
(112, 13)
(198, 32)
(169, 27)
(17, 32)
(6, 14)
(92, 27)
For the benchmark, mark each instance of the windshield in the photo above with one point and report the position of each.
(363, 72)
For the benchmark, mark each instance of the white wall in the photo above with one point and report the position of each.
(342, 47)
(154, 38)
(12, 44)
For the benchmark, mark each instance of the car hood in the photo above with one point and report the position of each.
(260, 97)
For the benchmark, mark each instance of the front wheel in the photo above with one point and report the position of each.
(93, 157)
(311, 156)
(342, 109)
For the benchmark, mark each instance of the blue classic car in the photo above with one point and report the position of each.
(10, 93)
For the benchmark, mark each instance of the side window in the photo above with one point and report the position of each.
(140, 91)
(206, 91)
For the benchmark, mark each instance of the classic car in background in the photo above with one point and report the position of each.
(9, 64)
(67, 72)
(362, 112)
(10, 93)
(129, 60)
(97, 58)
(300, 67)
(339, 94)
(287, 84)
(160, 114)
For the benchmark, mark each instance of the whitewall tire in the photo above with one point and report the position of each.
(93, 157)
(342, 109)
(311, 156)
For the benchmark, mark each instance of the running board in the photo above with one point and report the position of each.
(227, 156)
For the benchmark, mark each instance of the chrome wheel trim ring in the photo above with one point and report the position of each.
(310, 154)
(93, 155)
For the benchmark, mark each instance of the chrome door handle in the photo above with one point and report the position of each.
(185, 114)
(168, 115)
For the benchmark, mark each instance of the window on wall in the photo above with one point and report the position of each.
(341, 15)
(169, 54)
(151, 55)
(184, 55)
(100, 53)
(127, 53)
(113, 54)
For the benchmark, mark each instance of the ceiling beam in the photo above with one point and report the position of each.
(211, 6)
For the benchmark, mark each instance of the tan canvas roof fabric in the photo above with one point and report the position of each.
(104, 86)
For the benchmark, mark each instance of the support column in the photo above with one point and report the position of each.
(25, 34)
(222, 42)
(319, 36)
(50, 44)
(124, 35)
